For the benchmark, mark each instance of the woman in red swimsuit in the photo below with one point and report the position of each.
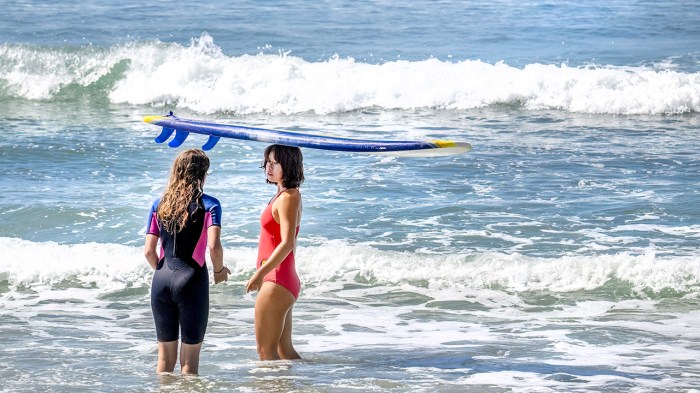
(276, 277)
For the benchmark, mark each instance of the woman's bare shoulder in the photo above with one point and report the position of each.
(291, 193)
(288, 198)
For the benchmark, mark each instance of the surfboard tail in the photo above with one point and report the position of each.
(180, 135)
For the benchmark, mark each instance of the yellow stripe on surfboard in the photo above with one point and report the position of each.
(443, 143)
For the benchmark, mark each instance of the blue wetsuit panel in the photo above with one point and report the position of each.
(213, 207)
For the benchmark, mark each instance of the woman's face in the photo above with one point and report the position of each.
(273, 169)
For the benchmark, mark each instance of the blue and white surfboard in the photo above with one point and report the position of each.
(182, 127)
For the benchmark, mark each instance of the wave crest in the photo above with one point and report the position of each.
(200, 77)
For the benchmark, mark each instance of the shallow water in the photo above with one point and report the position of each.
(560, 254)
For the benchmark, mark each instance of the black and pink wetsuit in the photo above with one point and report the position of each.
(180, 290)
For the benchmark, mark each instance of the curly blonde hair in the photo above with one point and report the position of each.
(184, 187)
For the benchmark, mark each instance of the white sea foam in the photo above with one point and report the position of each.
(501, 341)
(203, 78)
(115, 267)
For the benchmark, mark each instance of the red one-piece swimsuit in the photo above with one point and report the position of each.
(285, 274)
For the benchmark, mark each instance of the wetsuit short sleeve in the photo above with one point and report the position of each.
(212, 207)
(152, 223)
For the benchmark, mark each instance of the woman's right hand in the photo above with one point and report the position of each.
(255, 282)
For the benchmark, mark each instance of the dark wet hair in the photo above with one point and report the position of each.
(292, 164)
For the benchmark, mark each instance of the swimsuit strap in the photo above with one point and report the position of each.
(276, 196)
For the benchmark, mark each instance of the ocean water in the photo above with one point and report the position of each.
(561, 254)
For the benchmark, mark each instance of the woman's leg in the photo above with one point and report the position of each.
(285, 348)
(167, 356)
(194, 316)
(165, 316)
(189, 358)
(271, 308)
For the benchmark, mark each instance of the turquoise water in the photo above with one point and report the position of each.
(560, 254)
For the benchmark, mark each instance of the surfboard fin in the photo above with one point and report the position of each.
(164, 135)
(180, 137)
(211, 142)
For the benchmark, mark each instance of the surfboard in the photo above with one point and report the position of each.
(183, 127)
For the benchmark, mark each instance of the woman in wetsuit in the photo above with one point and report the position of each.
(276, 277)
(187, 222)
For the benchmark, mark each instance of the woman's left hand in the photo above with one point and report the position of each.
(222, 275)
(254, 283)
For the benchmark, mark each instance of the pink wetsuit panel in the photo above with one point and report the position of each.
(199, 254)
